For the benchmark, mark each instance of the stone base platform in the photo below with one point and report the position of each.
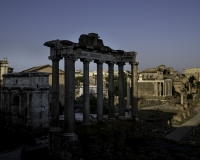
(63, 145)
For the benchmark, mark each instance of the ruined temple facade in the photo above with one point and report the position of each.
(24, 99)
(89, 48)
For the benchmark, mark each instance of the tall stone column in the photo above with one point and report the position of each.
(86, 94)
(55, 125)
(134, 84)
(69, 95)
(111, 89)
(128, 93)
(160, 89)
(121, 87)
(99, 90)
(169, 90)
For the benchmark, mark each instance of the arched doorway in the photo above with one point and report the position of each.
(15, 109)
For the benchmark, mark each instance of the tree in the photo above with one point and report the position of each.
(78, 80)
(116, 85)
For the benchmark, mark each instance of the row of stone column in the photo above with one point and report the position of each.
(70, 91)
(163, 88)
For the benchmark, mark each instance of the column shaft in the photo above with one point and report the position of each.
(86, 95)
(55, 93)
(134, 103)
(121, 88)
(99, 91)
(69, 95)
(128, 94)
(168, 88)
(111, 90)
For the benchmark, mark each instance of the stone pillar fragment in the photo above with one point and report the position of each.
(111, 89)
(134, 84)
(86, 94)
(55, 125)
(128, 94)
(121, 88)
(99, 90)
(69, 94)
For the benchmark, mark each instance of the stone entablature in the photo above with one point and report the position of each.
(25, 99)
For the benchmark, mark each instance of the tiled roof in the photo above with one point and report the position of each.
(150, 70)
(37, 68)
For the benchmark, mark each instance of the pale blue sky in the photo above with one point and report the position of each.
(161, 31)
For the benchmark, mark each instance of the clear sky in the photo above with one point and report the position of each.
(161, 31)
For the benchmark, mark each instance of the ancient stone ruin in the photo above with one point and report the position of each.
(25, 99)
(89, 48)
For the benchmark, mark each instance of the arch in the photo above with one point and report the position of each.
(15, 100)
